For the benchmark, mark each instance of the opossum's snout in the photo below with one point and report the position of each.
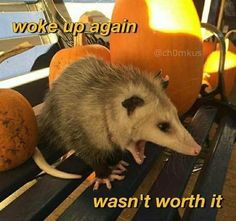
(183, 142)
(177, 139)
(197, 149)
(190, 148)
(180, 140)
(168, 132)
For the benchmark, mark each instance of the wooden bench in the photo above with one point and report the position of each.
(42, 198)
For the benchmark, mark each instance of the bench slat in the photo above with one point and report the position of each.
(211, 179)
(13, 179)
(176, 172)
(43, 197)
(83, 208)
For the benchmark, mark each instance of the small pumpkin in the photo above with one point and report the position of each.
(212, 64)
(208, 48)
(168, 37)
(67, 56)
(18, 129)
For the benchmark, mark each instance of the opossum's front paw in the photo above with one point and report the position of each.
(116, 172)
(98, 181)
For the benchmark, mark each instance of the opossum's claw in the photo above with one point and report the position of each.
(108, 183)
(116, 177)
(117, 171)
(124, 163)
(120, 167)
(96, 185)
(99, 181)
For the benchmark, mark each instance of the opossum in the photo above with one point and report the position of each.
(101, 110)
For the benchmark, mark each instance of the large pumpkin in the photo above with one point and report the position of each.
(18, 129)
(67, 56)
(168, 38)
(212, 64)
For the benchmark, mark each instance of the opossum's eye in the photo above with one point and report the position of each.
(164, 126)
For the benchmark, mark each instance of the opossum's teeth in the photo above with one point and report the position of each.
(138, 151)
(140, 147)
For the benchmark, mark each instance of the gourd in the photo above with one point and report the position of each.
(18, 129)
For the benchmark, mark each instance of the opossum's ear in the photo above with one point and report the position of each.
(158, 75)
(132, 103)
(164, 81)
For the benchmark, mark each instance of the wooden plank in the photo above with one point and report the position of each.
(83, 208)
(174, 176)
(13, 179)
(43, 197)
(211, 179)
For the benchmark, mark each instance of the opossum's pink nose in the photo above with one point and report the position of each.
(197, 149)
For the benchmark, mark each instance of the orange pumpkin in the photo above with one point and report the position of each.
(211, 68)
(67, 56)
(18, 129)
(168, 38)
(208, 47)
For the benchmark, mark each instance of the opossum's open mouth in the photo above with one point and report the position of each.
(138, 151)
